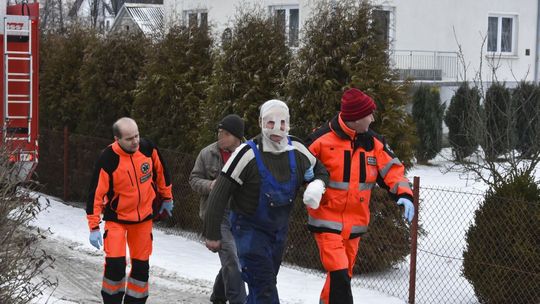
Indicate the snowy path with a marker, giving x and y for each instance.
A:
(79, 275)
(182, 270)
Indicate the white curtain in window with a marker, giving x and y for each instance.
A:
(493, 27)
(506, 35)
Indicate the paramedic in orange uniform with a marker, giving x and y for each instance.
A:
(356, 158)
(122, 190)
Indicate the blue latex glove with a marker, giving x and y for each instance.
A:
(167, 206)
(309, 175)
(95, 238)
(408, 214)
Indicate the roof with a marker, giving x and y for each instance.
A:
(149, 17)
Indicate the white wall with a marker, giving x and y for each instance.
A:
(221, 13)
(442, 25)
(426, 25)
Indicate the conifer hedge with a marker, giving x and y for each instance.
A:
(428, 114)
(169, 98)
(499, 115)
(250, 69)
(462, 119)
(341, 49)
(526, 99)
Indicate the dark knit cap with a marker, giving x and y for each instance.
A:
(233, 124)
(355, 105)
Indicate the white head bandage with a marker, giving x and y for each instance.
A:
(275, 112)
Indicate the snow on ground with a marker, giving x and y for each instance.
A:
(179, 257)
(448, 201)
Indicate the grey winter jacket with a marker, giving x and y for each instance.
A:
(207, 168)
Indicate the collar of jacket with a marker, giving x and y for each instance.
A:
(215, 148)
(364, 140)
(118, 150)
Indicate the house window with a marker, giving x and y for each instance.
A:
(196, 18)
(289, 17)
(501, 34)
(383, 18)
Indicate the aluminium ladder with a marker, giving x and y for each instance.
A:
(18, 72)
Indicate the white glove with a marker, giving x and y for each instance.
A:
(313, 193)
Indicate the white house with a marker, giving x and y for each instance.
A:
(425, 36)
(98, 12)
(139, 17)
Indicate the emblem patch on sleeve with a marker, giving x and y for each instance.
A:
(371, 160)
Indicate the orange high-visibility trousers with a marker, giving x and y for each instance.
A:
(138, 238)
(338, 256)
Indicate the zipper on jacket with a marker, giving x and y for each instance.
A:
(138, 189)
(130, 179)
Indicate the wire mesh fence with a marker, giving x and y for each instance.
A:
(383, 262)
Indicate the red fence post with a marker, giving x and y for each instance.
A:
(66, 158)
(414, 239)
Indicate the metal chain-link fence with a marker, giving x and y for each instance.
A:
(445, 216)
(477, 249)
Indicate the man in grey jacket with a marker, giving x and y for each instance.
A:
(228, 285)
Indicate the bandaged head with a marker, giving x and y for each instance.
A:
(274, 120)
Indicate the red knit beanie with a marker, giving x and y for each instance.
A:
(356, 105)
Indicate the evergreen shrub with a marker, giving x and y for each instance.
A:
(526, 99)
(499, 119)
(502, 256)
(462, 120)
(427, 114)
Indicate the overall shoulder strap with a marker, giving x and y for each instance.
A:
(258, 158)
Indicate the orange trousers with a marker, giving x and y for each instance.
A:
(338, 256)
(138, 238)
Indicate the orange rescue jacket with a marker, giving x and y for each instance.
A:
(124, 185)
(356, 162)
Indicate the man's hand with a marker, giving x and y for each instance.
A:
(408, 214)
(167, 206)
(212, 185)
(95, 238)
(213, 246)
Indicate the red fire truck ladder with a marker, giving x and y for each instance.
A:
(17, 80)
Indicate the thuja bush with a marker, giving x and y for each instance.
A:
(427, 114)
(461, 118)
(501, 259)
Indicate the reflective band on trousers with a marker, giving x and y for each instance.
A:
(345, 185)
(113, 287)
(135, 294)
(338, 226)
(141, 284)
(384, 171)
(400, 184)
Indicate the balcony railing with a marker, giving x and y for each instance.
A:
(425, 65)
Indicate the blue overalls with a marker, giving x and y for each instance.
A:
(260, 238)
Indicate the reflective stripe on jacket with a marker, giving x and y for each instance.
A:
(356, 162)
(122, 187)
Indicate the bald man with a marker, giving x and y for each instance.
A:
(126, 177)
